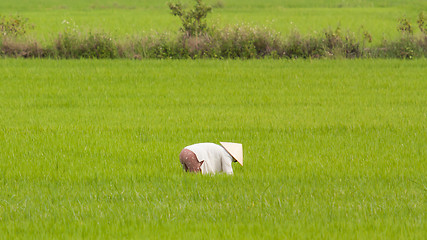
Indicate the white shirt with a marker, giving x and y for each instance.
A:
(215, 157)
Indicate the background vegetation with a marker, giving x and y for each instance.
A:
(236, 30)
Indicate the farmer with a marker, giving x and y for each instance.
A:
(211, 157)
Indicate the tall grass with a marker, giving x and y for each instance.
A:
(333, 149)
(240, 41)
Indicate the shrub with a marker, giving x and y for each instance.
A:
(92, 45)
(28, 49)
(242, 41)
(202, 46)
(337, 43)
(409, 45)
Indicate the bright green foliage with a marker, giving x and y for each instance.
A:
(333, 149)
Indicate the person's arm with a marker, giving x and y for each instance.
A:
(226, 165)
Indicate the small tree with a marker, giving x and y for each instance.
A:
(13, 26)
(421, 23)
(193, 20)
(405, 26)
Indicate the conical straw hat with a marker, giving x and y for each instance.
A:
(235, 150)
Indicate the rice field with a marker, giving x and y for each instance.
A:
(333, 149)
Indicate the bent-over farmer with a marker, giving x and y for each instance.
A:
(211, 157)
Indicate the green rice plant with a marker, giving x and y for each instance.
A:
(333, 149)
